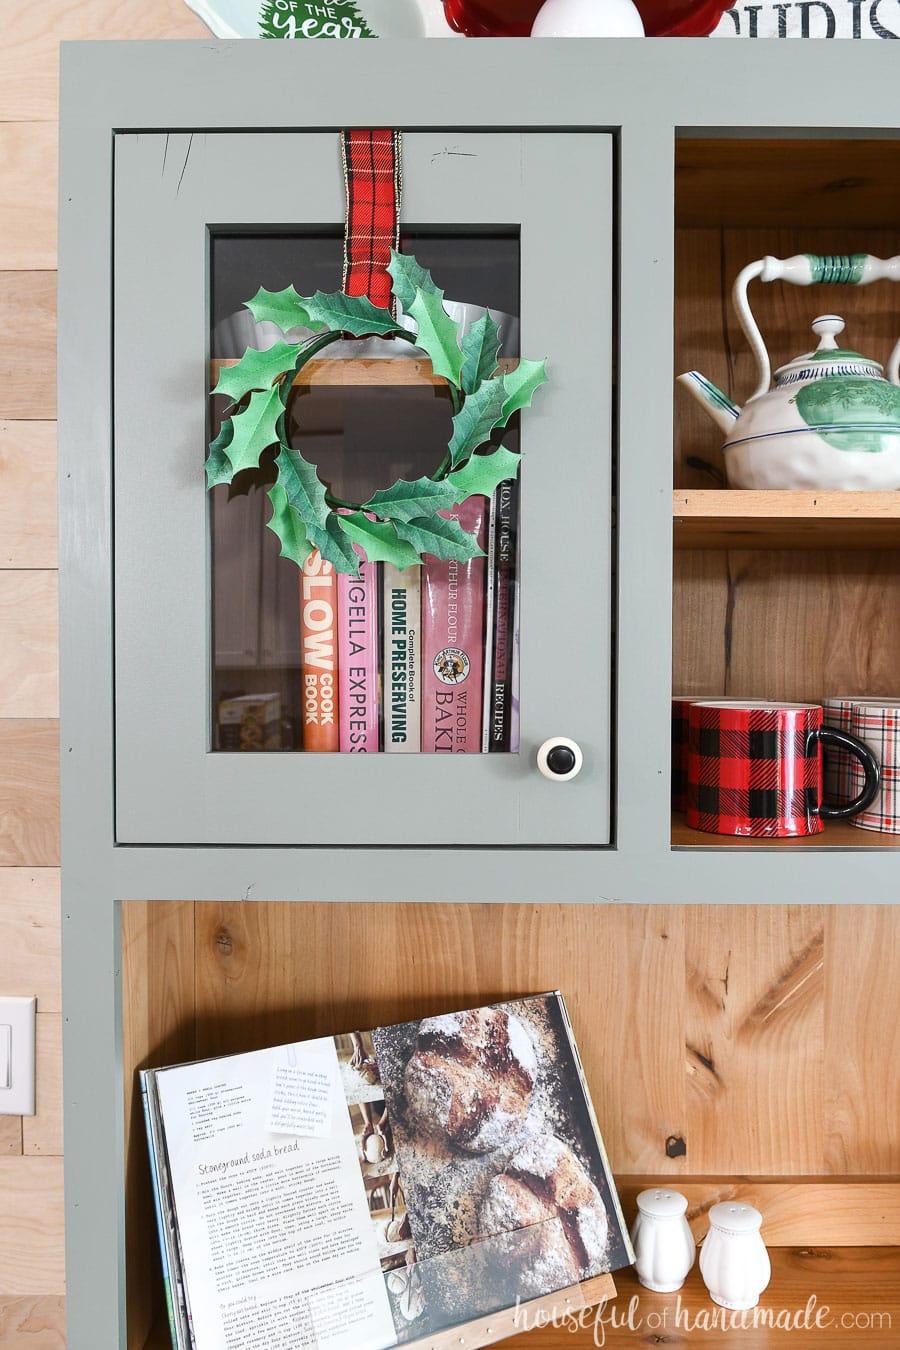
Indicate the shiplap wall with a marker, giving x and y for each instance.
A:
(31, 1207)
(829, 1022)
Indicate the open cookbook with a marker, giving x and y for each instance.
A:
(368, 1190)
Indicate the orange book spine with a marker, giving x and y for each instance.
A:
(319, 654)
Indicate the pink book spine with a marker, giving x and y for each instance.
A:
(358, 701)
(453, 643)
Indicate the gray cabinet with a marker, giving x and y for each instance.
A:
(551, 191)
(571, 148)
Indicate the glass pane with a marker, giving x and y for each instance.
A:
(422, 659)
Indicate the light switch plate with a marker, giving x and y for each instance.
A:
(18, 1014)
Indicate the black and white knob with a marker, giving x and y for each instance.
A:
(559, 759)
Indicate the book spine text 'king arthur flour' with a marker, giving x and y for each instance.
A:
(453, 643)
(319, 654)
(402, 678)
(358, 660)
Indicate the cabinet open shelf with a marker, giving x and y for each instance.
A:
(716, 519)
(837, 834)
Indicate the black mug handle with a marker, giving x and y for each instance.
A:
(843, 740)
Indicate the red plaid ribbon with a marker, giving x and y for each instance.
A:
(373, 183)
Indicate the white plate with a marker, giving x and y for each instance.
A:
(387, 18)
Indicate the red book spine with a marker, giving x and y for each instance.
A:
(453, 643)
(358, 660)
(319, 654)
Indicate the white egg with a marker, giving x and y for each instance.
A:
(588, 18)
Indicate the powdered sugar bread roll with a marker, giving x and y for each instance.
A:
(471, 1078)
(545, 1180)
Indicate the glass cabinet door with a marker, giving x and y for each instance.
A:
(220, 641)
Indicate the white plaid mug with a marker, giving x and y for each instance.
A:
(878, 724)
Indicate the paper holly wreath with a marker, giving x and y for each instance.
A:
(400, 523)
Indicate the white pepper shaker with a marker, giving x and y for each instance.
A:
(734, 1262)
(663, 1242)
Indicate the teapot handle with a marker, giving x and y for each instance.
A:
(809, 269)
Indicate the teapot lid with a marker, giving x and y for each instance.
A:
(828, 358)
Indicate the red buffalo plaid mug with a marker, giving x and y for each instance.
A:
(756, 770)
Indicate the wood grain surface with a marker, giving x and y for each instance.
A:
(33, 1323)
(839, 1213)
(29, 644)
(849, 184)
(31, 1226)
(28, 345)
(732, 519)
(28, 188)
(735, 1032)
(862, 1041)
(29, 793)
(30, 935)
(828, 1297)
(28, 519)
(42, 1133)
(29, 58)
(795, 625)
(754, 1038)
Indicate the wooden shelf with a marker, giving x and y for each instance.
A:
(723, 518)
(360, 372)
(856, 1292)
(859, 1284)
(837, 834)
(748, 182)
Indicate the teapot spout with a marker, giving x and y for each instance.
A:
(720, 408)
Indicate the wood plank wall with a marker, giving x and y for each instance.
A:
(779, 1020)
(32, 1312)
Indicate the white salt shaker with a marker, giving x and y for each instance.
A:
(663, 1242)
(734, 1262)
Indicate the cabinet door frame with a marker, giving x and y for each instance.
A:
(172, 190)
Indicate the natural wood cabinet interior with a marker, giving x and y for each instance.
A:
(780, 595)
(735, 1031)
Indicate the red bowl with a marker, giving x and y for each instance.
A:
(513, 18)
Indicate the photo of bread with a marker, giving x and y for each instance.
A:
(504, 1176)
(471, 1077)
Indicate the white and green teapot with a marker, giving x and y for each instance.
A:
(832, 419)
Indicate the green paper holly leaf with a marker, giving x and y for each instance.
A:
(438, 334)
(335, 546)
(483, 474)
(379, 540)
(520, 386)
(409, 277)
(350, 314)
(406, 500)
(289, 526)
(255, 428)
(480, 348)
(476, 419)
(445, 539)
(302, 487)
(286, 309)
(256, 370)
(218, 466)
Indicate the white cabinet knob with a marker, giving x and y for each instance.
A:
(559, 759)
